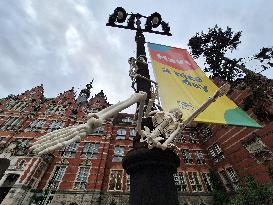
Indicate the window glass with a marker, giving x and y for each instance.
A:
(118, 154)
(115, 180)
(81, 179)
(187, 156)
(90, 150)
(195, 182)
(56, 177)
(121, 133)
(180, 182)
(70, 150)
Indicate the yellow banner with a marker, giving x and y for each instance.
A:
(184, 85)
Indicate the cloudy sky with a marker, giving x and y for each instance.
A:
(65, 43)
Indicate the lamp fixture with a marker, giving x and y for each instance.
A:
(119, 16)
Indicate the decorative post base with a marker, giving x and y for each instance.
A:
(151, 176)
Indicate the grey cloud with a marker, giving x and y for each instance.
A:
(66, 43)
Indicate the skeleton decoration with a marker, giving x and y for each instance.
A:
(167, 124)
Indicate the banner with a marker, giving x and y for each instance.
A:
(184, 85)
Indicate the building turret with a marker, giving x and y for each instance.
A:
(84, 94)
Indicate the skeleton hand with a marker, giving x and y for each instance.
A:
(61, 138)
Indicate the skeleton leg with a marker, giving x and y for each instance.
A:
(179, 128)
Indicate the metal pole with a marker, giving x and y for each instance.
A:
(151, 171)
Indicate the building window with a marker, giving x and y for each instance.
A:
(22, 146)
(193, 137)
(3, 139)
(181, 138)
(10, 104)
(200, 157)
(128, 120)
(118, 154)
(11, 123)
(98, 131)
(233, 178)
(55, 125)
(206, 178)
(133, 133)
(70, 150)
(258, 150)
(216, 153)
(56, 177)
(55, 109)
(187, 156)
(16, 105)
(230, 179)
(36, 125)
(21, 164)
(195, 182)
(127, 182)
(205, 133)
(121, 133)
(81, 179)
(180, 182)
(90, 150)
(115, 180)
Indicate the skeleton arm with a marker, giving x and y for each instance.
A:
(166, 123)
(63, 137)
(220, 92)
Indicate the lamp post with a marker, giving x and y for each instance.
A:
(151, 170)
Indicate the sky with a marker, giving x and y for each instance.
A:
(65, 43)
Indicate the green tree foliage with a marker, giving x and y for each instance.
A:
(252, 194)
(219, 193)
(214, 46)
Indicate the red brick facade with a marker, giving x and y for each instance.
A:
(91, 170)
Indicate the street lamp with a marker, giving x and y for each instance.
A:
(118, 17)
(151, 170)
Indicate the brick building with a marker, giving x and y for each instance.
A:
(90, 171)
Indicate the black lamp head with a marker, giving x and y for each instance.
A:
(120, 14)
(155, 19)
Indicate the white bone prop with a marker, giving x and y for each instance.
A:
(168, 125)
(63, 137)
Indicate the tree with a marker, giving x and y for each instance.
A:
(214, 47)
(219, 193)
(252, 193)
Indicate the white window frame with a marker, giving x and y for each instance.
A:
(49, 186)
(187, 157)
(207, 180)
(121, 183)
(81, 182)
(117, 157)
(121, 134)
(133, 133)
(70, 150)
(193, 181)
(178, 180)
(200, 159)
(216, 152)
(90, 151)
